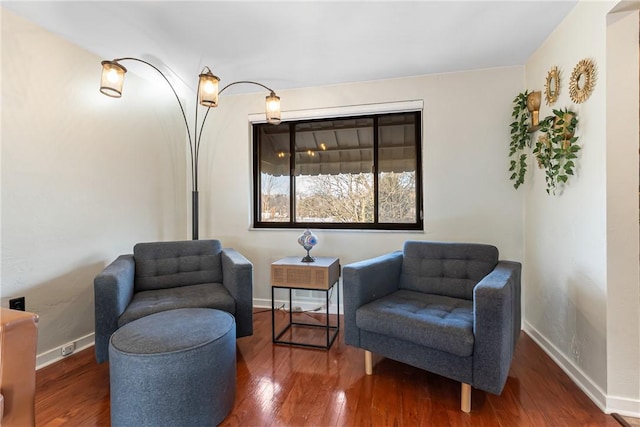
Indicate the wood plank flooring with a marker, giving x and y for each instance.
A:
(291, 386)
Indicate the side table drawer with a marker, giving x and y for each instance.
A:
(308, 276)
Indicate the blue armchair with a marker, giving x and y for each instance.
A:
(163, 276)
(449, 308)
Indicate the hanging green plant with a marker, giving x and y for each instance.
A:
(556, 147)
(520, 139)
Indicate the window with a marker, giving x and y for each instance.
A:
(347, 173)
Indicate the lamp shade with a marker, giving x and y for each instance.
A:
(112, 79)
(208, 89)
(272, 109)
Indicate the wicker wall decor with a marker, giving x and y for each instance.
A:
(552, 86)
(583, 80)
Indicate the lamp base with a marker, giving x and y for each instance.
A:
(194, 215)
(308, 258)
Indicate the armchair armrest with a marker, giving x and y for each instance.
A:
(237, 277)
(113, 289)
(496, 308)
(365, 281)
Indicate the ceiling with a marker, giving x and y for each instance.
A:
(292, 44)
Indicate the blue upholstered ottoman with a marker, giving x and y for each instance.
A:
(173, 368)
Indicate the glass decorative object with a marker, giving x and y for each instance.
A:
(308, 240)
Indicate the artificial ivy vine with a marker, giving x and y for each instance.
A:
(520, 139)
(556, 147)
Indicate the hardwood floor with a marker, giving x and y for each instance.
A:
(292, 386)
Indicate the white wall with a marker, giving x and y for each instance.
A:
(467, 194)
(568, 241)
(84, 177)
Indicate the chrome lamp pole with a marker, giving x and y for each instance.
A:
(111, 84)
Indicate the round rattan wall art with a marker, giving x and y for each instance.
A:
(583, 80)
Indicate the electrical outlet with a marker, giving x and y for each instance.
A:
(66, 350)
(17, 304)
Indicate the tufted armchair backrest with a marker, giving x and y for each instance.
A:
(162, 265)
(449, 269)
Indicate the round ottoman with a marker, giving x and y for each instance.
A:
(173, 368)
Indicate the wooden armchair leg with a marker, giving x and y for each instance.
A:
(465, 400)
(368, 363)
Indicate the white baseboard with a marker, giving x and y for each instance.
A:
(54, 355)
(623, 406)
(261, 303)
(607, 404)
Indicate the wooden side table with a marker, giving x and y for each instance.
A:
(321, 275)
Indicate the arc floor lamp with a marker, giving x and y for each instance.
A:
(207, 96)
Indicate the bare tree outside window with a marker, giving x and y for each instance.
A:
(274, 198)
(342, 198)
